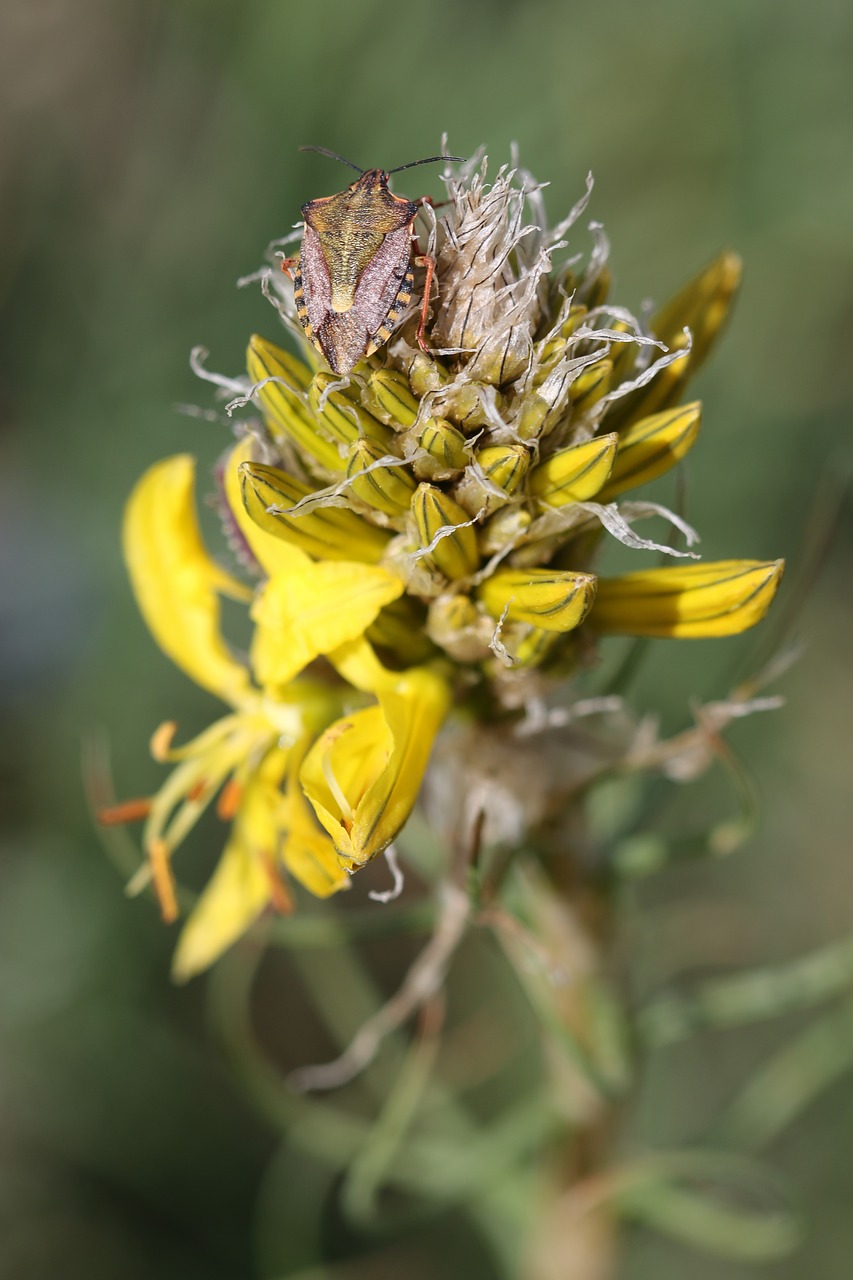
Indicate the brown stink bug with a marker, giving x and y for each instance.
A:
(353, 274)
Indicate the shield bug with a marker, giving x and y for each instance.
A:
(353, 276)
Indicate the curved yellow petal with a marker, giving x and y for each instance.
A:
(175, 581)
(272, 554)
(363, 774)
(312, 610)
(308, 853)
(721, 598)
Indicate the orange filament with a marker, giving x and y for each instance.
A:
(161, 740)
(163, 879)
(128, 811)
(280, 896)
(229, 800)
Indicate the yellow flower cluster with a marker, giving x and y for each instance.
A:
(423, 534)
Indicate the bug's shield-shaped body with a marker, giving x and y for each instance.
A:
(353, 277)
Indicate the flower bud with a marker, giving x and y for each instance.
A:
(341, 414)
(443, 527)
(574, 474)
(552, 599)
(444, 447)
(284, 401)
(651, 446)
(721, 598)
(386, 488)
(393, 395)
(327, 533)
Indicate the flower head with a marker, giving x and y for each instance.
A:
(421, 533)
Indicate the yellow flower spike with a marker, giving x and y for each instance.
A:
(271, 551)
(575, 474)
(394, 398)
(551, 599)
(341, 414)
(242, 884)
(175, 581)
(386, 488)
(442, 526)
(721, 598)
(652, 446)
(362, 775)
(702, 305)
(326, 533)
(283, 401)
(313, 610)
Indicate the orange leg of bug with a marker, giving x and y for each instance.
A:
(286, 264)
(423, 260)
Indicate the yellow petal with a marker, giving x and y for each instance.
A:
(697, 600)
(272, 553)
(176, 582)
(240, 887)
(313, 610)
(309, 854)
(363, 774)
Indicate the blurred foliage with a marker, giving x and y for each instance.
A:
(147, 156)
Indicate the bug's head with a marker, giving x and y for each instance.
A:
(377, 179)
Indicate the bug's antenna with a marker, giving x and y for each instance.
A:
(333, 155)
(429, 160)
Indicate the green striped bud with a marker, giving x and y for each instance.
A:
(574, 474)
(453, 554)
(327, 533)
(652, 446)
(702, 306)
(444, 451)
(591, 385)
(386, 488)
(552, 599)
(503, 469)
(284, 401)
(340, 414)
(393, 395)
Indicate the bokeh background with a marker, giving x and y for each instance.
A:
(147, 156)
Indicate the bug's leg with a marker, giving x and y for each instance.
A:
(433, 204)
(286, 264)
(423, 260)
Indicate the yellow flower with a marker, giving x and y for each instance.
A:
(421, 532)
(251, 757)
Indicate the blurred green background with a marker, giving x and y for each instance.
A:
(147, 156)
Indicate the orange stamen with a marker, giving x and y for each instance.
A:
(163, 879)
(197, 790)
(128, 811)
(280, 896)
(229, 800)
(161, 740)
